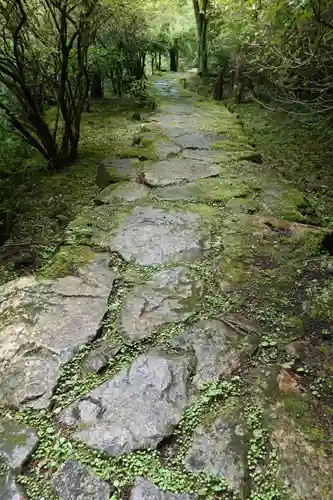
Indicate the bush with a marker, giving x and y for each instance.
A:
(143, 94)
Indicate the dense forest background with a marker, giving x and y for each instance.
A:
(73, 71)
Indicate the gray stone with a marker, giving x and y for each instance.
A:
(9, 489)
(42, 323)
(215, 189)
(144, 490)
(167, 149)
(17, 442)
(197, 140)
(136, 409)
(111, 170)
(220, 449)
(126, 191)
(219, 349)
(74, 481)
(155, 236)
(208, 156)
(173, 171)
(171, 295)
(99, 356)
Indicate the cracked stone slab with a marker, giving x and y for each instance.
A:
(219, 347)
(144, 490)
(220, 448)
(74, 481)
(42, 323)
(175, 170)
(17, 442)
(197, 140)
(170, 296)
(166, 149)
(125, 191)
(154, 388)
(155, 236)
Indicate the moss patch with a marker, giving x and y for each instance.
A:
(204, 190)
(67, 260)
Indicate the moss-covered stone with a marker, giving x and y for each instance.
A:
(68, 259)
(204, 190)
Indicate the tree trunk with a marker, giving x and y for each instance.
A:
(159, 61)
(201, 21)
(96, 87)
(173, 59)
(218, 90)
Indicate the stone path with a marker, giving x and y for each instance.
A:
(165, 353)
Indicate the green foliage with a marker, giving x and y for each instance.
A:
(142, 92)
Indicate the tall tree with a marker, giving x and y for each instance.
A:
(43, 58)
(201, 20)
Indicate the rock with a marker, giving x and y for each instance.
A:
(208, 156)
(219, 349)
(144, 490)
(204, 190)
(220, 449)
(304, 469)
(288, 382)
(155, 236)
(175, 170)
(197, 140)
(25, 259)
(9, 489)
(126, 191)
(121, 169)
(17, 442)
(99, 356)
(171, 295)
(167, 149)
(136, 409)
(42, 323)
(74, 481)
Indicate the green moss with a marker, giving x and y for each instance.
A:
(66, 261)
(205, 190)
(299, 408)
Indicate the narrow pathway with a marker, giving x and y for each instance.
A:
(178, 347)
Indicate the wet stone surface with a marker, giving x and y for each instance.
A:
(154, 387)
(155, 236)
(17, 442)
(9, 489)
(170, 296)
(74, 481)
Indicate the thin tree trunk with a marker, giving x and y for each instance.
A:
(173, 59)
(201, 20)
(96, 86)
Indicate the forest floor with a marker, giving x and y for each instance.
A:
(179, 336)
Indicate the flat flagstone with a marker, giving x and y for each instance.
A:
(175, 170)
(169, 296)
(42, 323)
(155, 236)
(136, 409)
